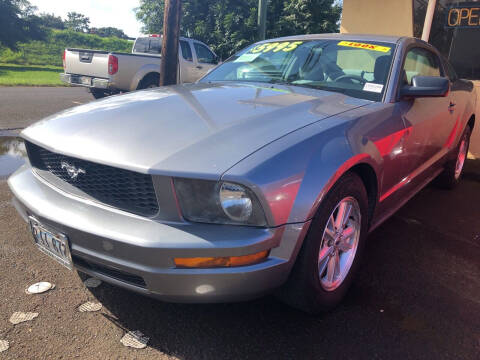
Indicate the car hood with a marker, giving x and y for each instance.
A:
(187, 130)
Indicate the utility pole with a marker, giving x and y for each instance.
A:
(427, 26)
(171, 35)
(262, 19)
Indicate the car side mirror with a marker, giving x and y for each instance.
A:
(426, 86)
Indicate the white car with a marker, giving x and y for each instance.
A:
(106, 73)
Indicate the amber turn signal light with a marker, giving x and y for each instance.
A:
(226, 261)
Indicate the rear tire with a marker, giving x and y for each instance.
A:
(315, 285)
(149, 82)
(451, 176)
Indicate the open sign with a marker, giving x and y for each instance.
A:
(466, 16)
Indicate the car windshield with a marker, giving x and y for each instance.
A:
(358, 69)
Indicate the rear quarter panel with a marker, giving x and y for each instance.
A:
(132, 68)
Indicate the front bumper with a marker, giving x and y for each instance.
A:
(85, 81)
(137, 253)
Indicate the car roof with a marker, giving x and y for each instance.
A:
(338, 36)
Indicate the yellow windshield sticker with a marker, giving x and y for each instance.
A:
(285, 46)
(364, 46)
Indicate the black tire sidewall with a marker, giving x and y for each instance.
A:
(149, 80)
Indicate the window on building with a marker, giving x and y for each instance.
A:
(455, 30)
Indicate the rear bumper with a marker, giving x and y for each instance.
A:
(137, 253)
(85, 81)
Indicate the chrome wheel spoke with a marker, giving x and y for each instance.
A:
(331, 268)
(349, 231)
(343, 215)
(325, 255)
(329, 235)
(344, 246)
(336, 258)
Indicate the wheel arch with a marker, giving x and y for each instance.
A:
(363, 166)
(370, 180)
(144, 71)
(149, 75)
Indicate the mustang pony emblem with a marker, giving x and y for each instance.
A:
(72, 171)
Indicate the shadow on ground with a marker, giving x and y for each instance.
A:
(417, 296)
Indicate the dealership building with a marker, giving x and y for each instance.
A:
(451, 26)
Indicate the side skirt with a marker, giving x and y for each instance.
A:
(414, 192)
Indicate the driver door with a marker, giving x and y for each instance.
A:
(205, 60)
(428, 120)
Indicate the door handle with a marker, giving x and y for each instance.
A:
(199, 67)
(451, 107)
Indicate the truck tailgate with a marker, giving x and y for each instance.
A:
(86, 62)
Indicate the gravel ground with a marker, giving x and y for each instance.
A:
(417, 297)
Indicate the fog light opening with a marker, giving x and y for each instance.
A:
(226, 261)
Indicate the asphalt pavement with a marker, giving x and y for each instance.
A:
(417, 295)
(21, 106)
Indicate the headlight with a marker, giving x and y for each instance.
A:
(235, 202)
(218, 202)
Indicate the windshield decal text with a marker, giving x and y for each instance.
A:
(364, 46)
(285, 46)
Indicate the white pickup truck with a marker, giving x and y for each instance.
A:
(106, 73)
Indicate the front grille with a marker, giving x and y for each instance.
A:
(124, 189)
(110, 272)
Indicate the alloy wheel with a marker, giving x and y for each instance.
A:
(339, 243)
(462, 155)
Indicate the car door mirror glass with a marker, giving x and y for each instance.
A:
(426, 86)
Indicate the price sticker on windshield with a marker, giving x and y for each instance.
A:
(285, 46)
(364, 46)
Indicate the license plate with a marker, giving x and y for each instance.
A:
(86, 80)
(52, 243)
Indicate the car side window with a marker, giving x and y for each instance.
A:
(204, 55)
(420, 62)
(186, 50)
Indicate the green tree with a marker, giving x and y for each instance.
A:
(51, 21)
(307, 17)
(108, 32)
(229, 25)
(18, 23)
(77, 22)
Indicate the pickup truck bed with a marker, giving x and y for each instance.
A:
(113, 72)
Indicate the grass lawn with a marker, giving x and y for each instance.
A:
(29, 75)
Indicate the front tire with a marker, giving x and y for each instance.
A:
(331, 252)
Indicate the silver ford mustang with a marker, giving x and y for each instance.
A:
(265, 176)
